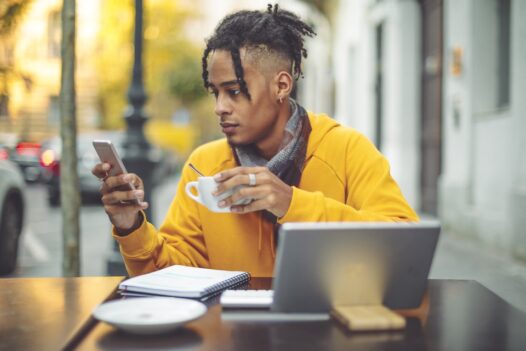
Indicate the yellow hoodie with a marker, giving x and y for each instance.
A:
(345, 179)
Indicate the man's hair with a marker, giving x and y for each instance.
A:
(275, 31)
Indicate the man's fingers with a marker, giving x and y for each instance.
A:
(229, 173)
(245, 193)
(121, 180)
(256, 205)
(236, 180)
(117, 197)
(261, 176)
(100, 170)
(118, 207)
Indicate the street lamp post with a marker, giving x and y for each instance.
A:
(138, 154)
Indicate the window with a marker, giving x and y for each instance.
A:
(4, 112)
(54, 110)
(503, 15)
(491, 52)
(379, 86)
(53, 33)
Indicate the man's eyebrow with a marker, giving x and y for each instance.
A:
(229, 82)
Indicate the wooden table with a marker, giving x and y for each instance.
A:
(43, 313)
(462, 315)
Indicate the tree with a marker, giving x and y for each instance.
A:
(11, 12)
(69, 180)
(186, 83)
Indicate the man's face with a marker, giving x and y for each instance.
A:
(244, 121)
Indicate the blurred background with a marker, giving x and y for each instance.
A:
(438, 85)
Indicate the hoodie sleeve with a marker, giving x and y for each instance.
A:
(178, 241)
(371, 194)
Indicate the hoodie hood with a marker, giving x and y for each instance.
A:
(321, 125)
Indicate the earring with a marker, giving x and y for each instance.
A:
(281, 100)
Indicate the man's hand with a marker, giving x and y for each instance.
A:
(265, 188)
(118, 199)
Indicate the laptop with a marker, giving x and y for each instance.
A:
(320, 265)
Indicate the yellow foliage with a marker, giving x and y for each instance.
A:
(167, 135)
(166, 49)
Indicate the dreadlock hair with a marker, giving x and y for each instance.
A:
(276, 30)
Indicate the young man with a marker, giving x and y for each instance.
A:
(299, 166)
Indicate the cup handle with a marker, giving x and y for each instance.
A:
(188, 190)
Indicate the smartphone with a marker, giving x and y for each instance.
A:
(108, 154)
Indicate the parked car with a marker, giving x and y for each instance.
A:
(24, 154)
(11, 214)
(87, 158)
(27, 156)
(4, 152)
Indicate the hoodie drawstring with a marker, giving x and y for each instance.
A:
(272, 241)
(271, 237)
(260, 233)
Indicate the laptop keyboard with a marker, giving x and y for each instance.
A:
(246, 298)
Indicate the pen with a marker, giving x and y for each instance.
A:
(195, 169)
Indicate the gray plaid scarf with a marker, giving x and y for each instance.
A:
(287, 164)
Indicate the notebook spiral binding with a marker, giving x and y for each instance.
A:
(229, 283)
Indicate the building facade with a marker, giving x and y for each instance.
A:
(33, 103)
(439, 86)
(377, 76)
(483, 182)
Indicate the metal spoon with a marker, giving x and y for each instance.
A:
(195, 169)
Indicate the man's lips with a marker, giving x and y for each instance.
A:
(228, 128)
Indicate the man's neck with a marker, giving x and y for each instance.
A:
(271, 147)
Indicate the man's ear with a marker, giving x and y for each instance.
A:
(283, 85)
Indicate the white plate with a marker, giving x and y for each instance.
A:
(149, 315)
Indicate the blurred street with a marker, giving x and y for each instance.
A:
(41, 250)
(41, 243)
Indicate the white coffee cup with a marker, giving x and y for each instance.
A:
(205, 186)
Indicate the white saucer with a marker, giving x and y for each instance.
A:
(149, 315)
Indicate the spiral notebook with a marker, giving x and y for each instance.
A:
(183, 281)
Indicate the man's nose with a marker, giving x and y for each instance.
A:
(222, 106)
